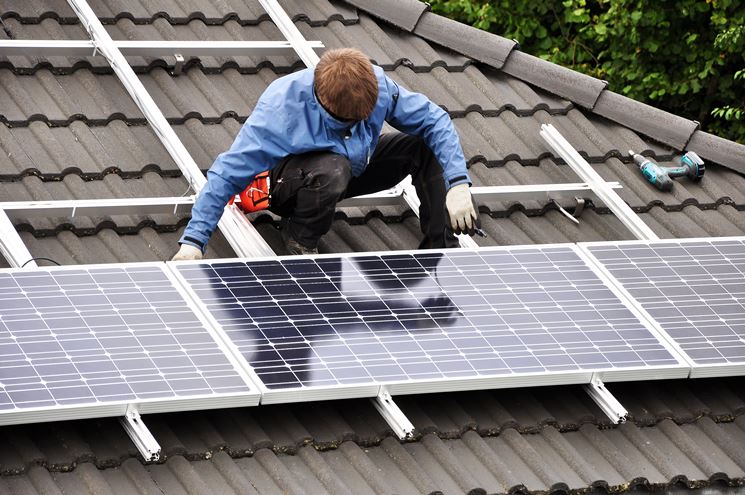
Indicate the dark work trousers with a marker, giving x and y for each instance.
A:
(305, 188)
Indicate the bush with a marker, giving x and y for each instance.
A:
(684, 56)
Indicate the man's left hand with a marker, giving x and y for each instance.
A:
(463, 216)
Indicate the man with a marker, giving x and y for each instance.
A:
(318, 132)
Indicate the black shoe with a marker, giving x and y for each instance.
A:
(292, 246)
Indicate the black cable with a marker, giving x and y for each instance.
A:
(40, 258)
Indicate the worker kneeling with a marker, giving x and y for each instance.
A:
(317, 132)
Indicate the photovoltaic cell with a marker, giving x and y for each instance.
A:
(88, 336)
(695, 290)
(427, 316)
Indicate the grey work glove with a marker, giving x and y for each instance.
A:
(463, 216)
(187, 252)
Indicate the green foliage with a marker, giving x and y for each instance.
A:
(681, 56)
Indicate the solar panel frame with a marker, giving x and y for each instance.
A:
(698, 370)
(60, 412)
(341, 391)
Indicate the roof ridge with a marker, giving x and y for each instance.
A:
(589, 92)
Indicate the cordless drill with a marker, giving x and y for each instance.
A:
(691, 166)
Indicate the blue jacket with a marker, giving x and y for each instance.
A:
(289, 120)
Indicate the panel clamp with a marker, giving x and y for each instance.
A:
(140, 435)
(605, 400)
(393, 415)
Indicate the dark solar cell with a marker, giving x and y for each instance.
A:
(332, 321)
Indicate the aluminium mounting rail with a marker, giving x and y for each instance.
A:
(148, 48)
(182, 204)
(597, 391)
(242, 236)
(611, 199)
(12, 246)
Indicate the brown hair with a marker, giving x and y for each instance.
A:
(346, 84)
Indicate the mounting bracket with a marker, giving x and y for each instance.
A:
(564, 212)
(393, 415)
(140, 435)
(605, 400)
(178, 66)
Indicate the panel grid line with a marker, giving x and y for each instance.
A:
(694, 289)
(375, 319)
(91, 336)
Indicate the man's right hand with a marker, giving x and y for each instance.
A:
(187, 252)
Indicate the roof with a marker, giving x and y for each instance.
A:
(71, 131)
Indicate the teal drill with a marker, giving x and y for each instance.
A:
(691, 166)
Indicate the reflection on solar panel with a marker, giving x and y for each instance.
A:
(102, 335)
(425, 321)
(694, 289)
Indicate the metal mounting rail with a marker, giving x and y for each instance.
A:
(11, 244)
(292, 34)
(148, 48)
(605, 400)
(242, 236)
(182, 204)
(612, 200)
(140, 435)
(393, 415)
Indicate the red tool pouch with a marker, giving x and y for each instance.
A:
(256, 195)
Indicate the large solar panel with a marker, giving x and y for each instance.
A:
(694, 289)
(331, 327)
(89, 341)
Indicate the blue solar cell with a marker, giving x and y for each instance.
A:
(332, 321)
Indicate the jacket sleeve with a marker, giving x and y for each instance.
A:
(255, 149)
(414, 113)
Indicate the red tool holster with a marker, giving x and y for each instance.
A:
(256, 196)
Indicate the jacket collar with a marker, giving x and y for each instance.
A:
(330, 121)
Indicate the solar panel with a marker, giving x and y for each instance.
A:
(88, 341)
(340, 326)
(694, 289)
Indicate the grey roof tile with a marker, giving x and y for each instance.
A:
(490, 439)
(386, 46)
(579, 88)
(106, 245)
(109, 11)
(401, 13)
(36, 11)
(83, 149)
(660, 125)
(620, 459)
(479, 45)
(719, 150)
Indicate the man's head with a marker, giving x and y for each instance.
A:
(346, 84)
